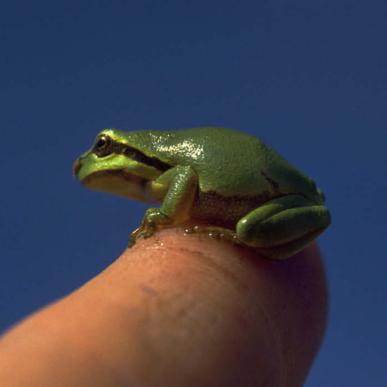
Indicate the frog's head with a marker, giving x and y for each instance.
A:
(118, 163)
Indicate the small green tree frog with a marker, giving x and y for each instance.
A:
(222, 182)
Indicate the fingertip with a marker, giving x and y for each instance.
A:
(292, 294)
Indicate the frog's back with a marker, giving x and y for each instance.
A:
(228, 162)
(232, 163)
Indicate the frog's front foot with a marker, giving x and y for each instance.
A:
(153, 220)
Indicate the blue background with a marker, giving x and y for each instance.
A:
(308, 77)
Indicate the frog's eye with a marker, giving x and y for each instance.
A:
(102, 145)
(102, 142)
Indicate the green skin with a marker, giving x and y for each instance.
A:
(224, 182)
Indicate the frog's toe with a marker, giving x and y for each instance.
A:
(144, 231)
(213, 232)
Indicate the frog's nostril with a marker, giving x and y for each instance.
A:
(76, 167)
(321, 195)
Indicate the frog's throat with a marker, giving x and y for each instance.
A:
(120, 182)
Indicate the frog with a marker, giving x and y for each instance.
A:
(217, 181)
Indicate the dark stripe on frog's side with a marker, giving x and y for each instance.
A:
(133, 154)
(218, 210)
(272, 182)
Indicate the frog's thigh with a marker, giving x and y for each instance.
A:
(283, 221)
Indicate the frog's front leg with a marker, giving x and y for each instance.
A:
(283, 226)
(180, 184)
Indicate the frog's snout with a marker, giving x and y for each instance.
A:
(76, 167)
(321, 195)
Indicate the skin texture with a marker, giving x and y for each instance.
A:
(194, 174)
(177, 310)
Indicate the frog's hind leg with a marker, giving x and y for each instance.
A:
(283, 226)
